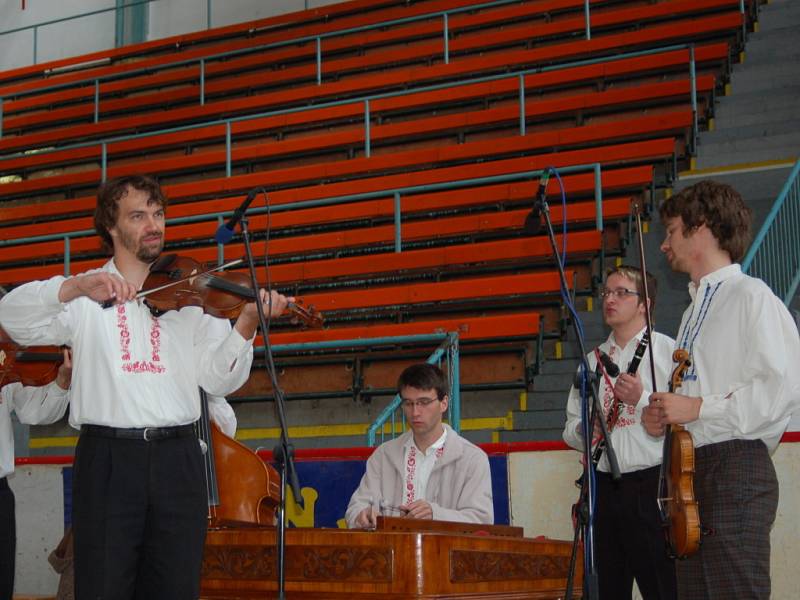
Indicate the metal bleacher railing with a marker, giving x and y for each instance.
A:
(366, 100)
(774, 255)
(318, 41)
(396, 193)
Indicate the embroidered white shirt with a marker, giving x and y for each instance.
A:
(745, 353)
(131, 369)
(635, 449)
(419, 465)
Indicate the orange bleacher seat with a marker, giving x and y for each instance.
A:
(647, 127)
(647, 36)
(536, 83)
(641, 97)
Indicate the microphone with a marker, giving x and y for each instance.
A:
(225, 231)
(533, 222)
(611, 368)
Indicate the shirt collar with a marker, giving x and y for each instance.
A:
(612, 340)
(433, 447)
(718, 276)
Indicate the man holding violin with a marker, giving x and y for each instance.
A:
(736, 397)
(33, 405)
(140, 505)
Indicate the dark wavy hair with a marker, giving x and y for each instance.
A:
(108, 196)
(423, 376)
(717, 206)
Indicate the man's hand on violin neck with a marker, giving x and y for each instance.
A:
(99, 287)
(274, 304)
(675, 408)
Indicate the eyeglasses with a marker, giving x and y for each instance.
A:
(421, 402)
(617, 292)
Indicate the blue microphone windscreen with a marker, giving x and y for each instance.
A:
(223, 235)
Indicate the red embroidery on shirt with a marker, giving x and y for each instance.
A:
(411, 470)
(139, 366)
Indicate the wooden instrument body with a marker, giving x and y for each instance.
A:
(249, 489)
(434, 560)
(679, 509)
(683, 510)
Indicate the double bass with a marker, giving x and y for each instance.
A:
(245, 490)
(679, 510)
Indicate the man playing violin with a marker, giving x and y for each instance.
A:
(140, 505)
(736, 397)
(629, 542)
(33, 405)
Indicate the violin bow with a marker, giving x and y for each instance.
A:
(647, 316)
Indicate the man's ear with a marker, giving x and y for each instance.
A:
(445, 403)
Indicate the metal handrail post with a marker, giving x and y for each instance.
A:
(522, 129)
(96, 100)
(103, 162)
(588, 16)
(398, 229)
(228, 166)
(446, 39)
(66, 256)
(319, 60)
(220, 245)
(367, 133)
(202, 82)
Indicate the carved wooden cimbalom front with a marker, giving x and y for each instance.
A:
(468, 566)
(318, 563)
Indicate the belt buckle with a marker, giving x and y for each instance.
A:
(145, 433)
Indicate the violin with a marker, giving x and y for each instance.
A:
(34, 365)
(176, 281)
(680, 513)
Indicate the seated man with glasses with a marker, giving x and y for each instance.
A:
(429, 472)
(629, 540)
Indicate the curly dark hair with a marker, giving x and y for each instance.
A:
(423, 376)
(717, 206)
(109, 195)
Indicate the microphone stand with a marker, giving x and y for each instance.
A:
(588, 493)
(283, 452)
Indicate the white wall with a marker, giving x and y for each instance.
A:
(90, 34)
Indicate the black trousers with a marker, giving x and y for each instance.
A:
(8, 540)
(629, 538)
(139, 518)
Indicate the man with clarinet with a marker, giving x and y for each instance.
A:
(629, 542)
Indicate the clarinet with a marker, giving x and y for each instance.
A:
(611, 419)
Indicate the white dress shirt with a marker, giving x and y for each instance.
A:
(131, 369)
(32, 405)
(419, 465)
(745, 353)
(635, 449)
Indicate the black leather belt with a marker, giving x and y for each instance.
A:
(146, 434)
